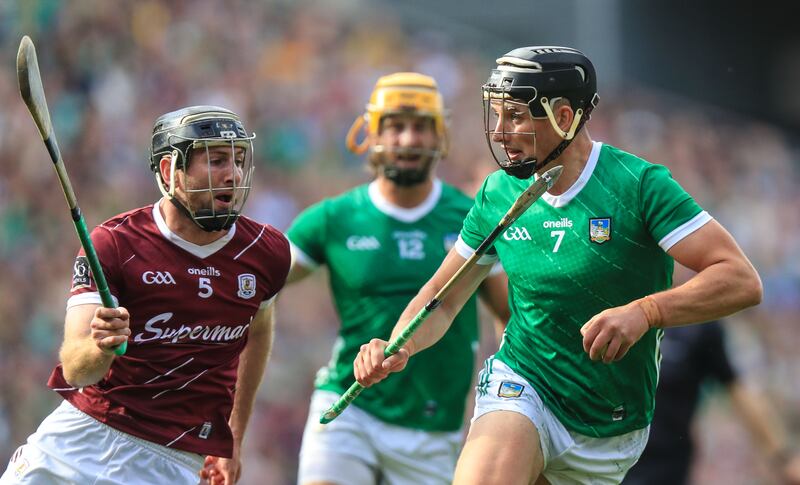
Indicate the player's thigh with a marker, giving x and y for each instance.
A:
(502, 448)
(339, 452)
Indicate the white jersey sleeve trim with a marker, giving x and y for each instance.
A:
(684, 230)
(466, 252)
(267, 302)
(88, 298)
(301, 258)
(497, 269)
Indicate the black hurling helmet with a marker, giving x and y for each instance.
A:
(179, 134)
(538, 77)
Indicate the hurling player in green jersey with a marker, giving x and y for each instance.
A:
(381, 242)
(569, 396)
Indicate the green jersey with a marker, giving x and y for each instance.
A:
(379, 256)
(601, 244)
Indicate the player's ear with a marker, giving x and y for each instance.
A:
(564, 115)
(165, 170)
(165, 167)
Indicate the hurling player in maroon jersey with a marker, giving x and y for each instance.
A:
(194, 282)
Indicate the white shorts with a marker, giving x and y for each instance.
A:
(71, 447)
(569, 457)
(358, 449)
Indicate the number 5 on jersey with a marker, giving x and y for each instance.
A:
(205, 288)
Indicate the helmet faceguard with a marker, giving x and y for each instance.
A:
(534, 79)
(401, 93)
(185, 136)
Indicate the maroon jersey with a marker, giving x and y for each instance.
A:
(190, 309)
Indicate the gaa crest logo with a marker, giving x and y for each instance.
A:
(600, 230)
(517, 233)
(247, 286)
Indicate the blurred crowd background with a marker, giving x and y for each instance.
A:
(299, 73)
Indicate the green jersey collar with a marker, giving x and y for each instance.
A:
(403, 214)
(586, 174)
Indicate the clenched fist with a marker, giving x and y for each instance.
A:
(371, 366)
(611, 333)
(110, 328)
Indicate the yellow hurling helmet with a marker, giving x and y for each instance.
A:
(401, 92)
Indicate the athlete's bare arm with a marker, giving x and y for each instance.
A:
(494, 294)
(297, 272)
(369, 367)
(252, 362)
(725, 283)
(90, 334)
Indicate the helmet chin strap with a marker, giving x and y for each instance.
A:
(529, 166)
(205, 219)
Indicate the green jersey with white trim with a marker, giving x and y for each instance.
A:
(599, 245)
(379, 256)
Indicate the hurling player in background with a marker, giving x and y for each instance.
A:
(569, 395)
(195, 283)
(692, 356)
(381, 241)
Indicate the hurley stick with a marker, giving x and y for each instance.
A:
(32, 91)
(525, 200)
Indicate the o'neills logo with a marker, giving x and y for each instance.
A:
(564, 222)
(205, 333)
(209, 271)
